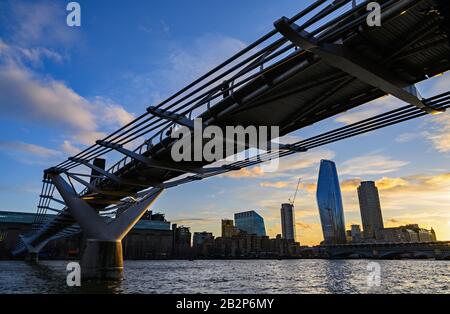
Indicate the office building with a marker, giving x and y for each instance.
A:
(181, 241)
(201, 237)
(329, 201)
(203, 244)
(150, 238)
(288, 221)
(369, 204)
(408, 233)
(354, 234)
(250, 222)
(228, 228)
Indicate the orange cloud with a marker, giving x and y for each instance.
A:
(440, 134)
(350, 185)
(304, 225)
(386, 183)
(277, 185)
(254, 172)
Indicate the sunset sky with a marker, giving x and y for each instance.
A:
(62, 88)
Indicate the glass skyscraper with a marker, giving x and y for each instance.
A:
(250, 222)
(329, 201)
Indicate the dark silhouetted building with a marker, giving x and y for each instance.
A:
(354, 234)
(150, 238)
(181, 241)
(247, 245)
(228, 228)
(329, 201)
(288, 221)
(202, 243)
(408, 233)
(369, 204)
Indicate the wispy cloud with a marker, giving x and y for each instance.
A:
(30, 97)
(39, 22)
(192, 220)
(370, 109)
(203, 54)
(28, 148)
(29, 154)
(277, 184)
(111, 113)
(253, 172)
(287, 166)
(13, 54)
(436, 129)
(27, 96)
(408, 137)
(185, 62)
(69, 148)
(439, 132)
(371, 164)
(37, 34)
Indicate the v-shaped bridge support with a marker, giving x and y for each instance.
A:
(102, 258)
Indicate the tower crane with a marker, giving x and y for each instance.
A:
(292, 201)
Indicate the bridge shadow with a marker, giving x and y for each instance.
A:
(406, 254)
(51, 277)
(351, 255)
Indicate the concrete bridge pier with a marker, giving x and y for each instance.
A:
(102, 258)
(32, 257)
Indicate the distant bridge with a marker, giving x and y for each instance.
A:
(319, 63)
(437, 250)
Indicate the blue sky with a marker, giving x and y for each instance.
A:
(61, 88)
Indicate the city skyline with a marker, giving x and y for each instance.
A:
(372, 222)
(44, 69)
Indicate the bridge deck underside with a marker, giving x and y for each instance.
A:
(315, 90)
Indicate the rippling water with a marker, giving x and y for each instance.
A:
(237, 276)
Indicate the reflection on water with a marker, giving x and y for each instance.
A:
(238, 276)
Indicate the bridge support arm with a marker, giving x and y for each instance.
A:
(171, 116)
(363, 69)
(102, 258)
(32, 250)
(123, 224)
(107, 174)
(172, 166)
(92, 224)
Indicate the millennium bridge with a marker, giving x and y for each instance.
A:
(318, 63)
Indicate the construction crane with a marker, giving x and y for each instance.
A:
(292, 201)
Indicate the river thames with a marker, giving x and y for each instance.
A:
(238, 276)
